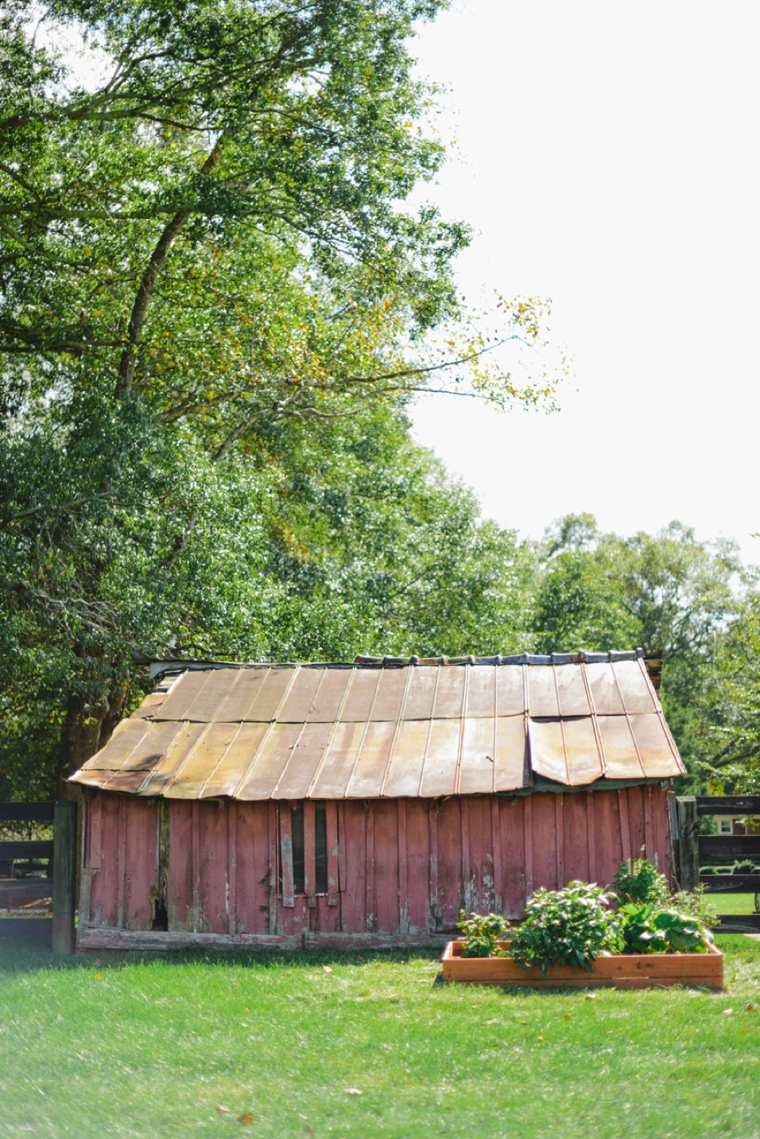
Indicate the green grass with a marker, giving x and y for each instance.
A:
(733, 903)
(156, 1048)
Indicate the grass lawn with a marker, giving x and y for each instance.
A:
(733, 903)
(367, 1046)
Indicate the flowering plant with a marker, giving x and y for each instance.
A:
(572, 927)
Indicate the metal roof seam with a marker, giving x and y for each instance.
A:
(186, 760)
(367, 723)
(396, 733)
(219, 762)
(331, 737)
(561, 725)
(429, 736)
(462, 724)
(249, 769)
(594, 720)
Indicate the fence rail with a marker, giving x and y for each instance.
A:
(690, 845)
(60, 929)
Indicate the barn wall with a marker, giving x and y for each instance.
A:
(396, 866)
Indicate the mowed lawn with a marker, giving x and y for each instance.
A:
(365, 1046)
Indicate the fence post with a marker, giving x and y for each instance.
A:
(688, 842)
(64, 877)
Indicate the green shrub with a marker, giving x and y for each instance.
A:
(696, 903)
(743, 866)
(638, 881)
(573, 926)
(646, 929)
(707, 870)
(481, 934)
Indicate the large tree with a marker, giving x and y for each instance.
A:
(206, 267)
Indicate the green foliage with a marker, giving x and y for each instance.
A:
(743, 866)
(698, 904)
(638, 881)
(649, 929)
(573, 926)
(481, 934)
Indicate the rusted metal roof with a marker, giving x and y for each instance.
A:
(390, 728)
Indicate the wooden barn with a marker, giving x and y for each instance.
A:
(307, 804)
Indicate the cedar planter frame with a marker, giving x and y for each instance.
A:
(625, 971)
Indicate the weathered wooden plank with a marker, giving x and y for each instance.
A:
(64, 878)
(434, 903)
(731, 883)
(309, 850)
(591, 835)
(728, 846)
(286, 858)
(418, 865)
(26, 812)
(403, 868)
(37, 927)
(728, 804)
(153, 940)
(369, 911)
(739, 923)
(333, 850)
(387, 870)
(15, 891)
(544, 842)
(22, 849)
(212, 867)
(511, 874)
(576, 843)
(141, 851)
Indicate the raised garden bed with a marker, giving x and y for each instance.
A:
(626, 971)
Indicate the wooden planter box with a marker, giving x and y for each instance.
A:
(628, 971)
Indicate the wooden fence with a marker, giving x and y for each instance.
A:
(691, 848)
(58, 930)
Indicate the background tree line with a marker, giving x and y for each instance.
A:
(215, 307)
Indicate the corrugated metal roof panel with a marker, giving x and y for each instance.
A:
(361, 695)
(407, 759)
(403, 730)
(547, 750)
(542, 692)
(658, 755)
(269, 762)
(477, 757)
(420, 695)
(329, 697)
(571, 690)
(481, 692)
(231, 770)
(604, 690)
(372, 761)
(510, 691)
(584, 763)
(621, 755)
(160, 780)
(440, 774)
(449, 698)
(635, 687)
(511, 759)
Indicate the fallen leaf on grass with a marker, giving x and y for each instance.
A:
(352, 1091)
(728, 1011)
(96, 975)
(567, 1016)
(327, 968)
(750, 1008)
(590, 997)
(743, 1031)
(494, 1021)
(246, 1117)
(540, 1040)
(223, 1110)
(307, 1130)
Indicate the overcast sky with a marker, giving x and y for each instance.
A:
(608, 160)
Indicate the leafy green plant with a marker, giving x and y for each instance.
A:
(707, 870)
(481, 934)
(638, 881)
(645, 929)
(696, 903)
(573, 926)
(743, 866)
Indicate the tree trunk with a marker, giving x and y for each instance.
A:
(88, 726)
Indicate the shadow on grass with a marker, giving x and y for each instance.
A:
(22, 955)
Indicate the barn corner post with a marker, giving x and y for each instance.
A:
(64, 878)
(687, 842)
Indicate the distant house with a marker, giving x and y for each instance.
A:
(304, 804)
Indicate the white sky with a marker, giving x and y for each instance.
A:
(609, 160)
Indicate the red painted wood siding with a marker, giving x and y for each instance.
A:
(395, 865)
